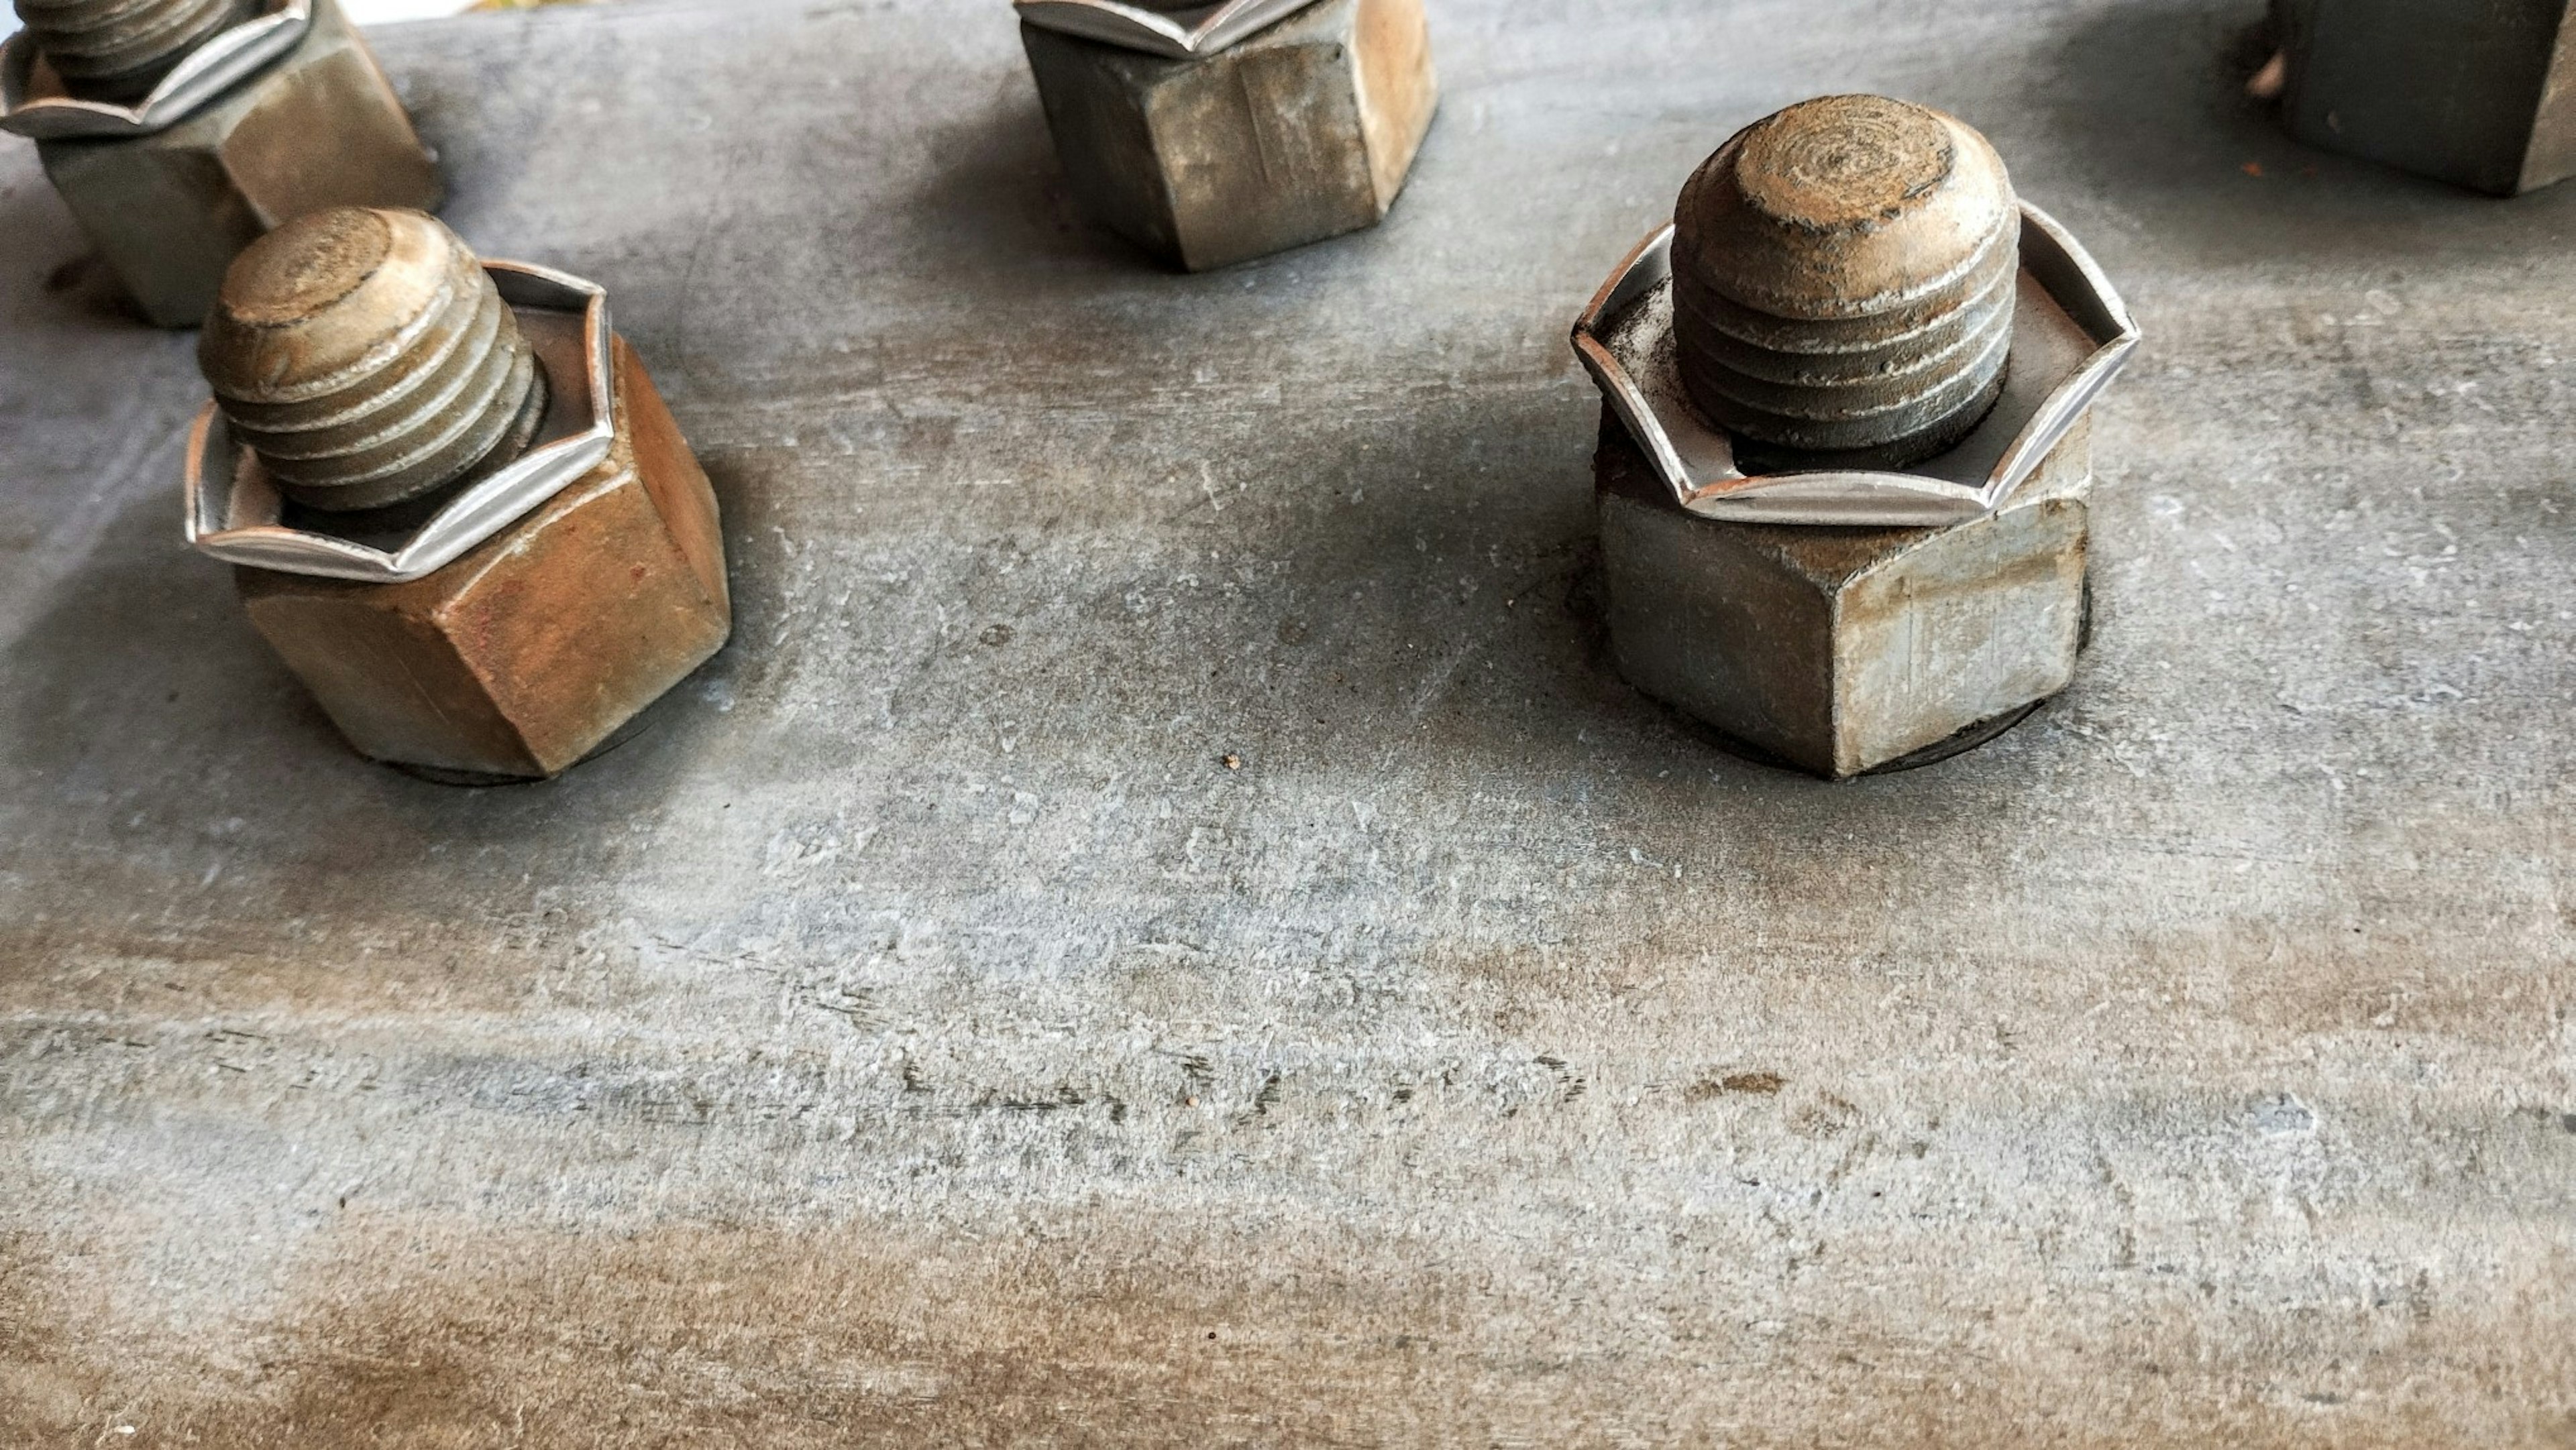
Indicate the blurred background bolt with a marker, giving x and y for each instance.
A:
(2479, 93)
(366, 357)
(117, 50)
(1844, 275)
(1303, 130)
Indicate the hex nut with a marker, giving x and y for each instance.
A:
(1304, 131)
(529, 653)
(1840, 651)
(366, 357)
(2478, 93)
(1844, 277)
(319, 128)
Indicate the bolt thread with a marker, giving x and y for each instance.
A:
(118, 50)
(366, 357)
(1845, 278)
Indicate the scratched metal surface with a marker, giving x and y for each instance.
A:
(922, 1036)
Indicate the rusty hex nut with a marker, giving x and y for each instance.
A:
(1846, 651)
(1844, 279)
(1838, 297)
(117, 50)
(366, 357)
(169, 209)
(531, 651)
(1301, 131)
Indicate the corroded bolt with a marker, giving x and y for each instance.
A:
(1844, 275)
(116, 50)
(366, 357)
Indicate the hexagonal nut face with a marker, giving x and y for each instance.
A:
(2466, 91)
(1838, 650)
(1304, 131)
(527, 654)
(319, 128)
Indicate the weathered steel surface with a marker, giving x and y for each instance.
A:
(1837, 650)
(169, 211)
(1303, 132)
(2477, 92)
(525, 655)
(921, 1036)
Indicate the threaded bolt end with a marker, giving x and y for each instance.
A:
(1845, 275)
(118, 50)
(366, 357)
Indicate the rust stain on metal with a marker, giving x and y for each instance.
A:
(1130, 1335)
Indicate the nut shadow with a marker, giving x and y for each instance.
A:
(1000, 202)
(146, 714)
(1445, 601)
(53, 276)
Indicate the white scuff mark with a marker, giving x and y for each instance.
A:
(2283, 1114)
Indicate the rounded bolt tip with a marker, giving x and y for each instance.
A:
(1844, 280)
(1844, 162)
(295, 272)
(367, 358)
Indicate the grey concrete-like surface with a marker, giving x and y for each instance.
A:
(923, 1036)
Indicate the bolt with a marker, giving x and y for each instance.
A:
(118, 50)
(1844, 276)
(366, 357)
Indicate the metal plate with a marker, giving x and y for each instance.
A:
(921, 1037)
(33, 101)
(1179, 34)
(2071, 336)
(235, 513)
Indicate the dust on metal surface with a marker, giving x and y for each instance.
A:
(920, 1035)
